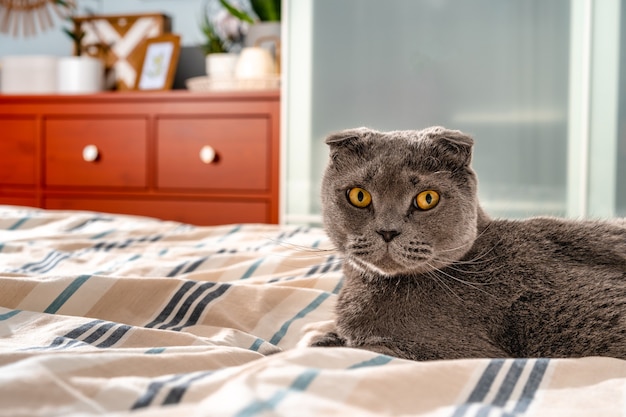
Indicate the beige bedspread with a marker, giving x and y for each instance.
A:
(119, 315)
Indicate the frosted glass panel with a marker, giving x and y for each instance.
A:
(621, 144)
(495, 69)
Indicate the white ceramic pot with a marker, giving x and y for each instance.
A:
(80, 75)
(255, 63)
(266, 35)
(28, 74)
(221, 65)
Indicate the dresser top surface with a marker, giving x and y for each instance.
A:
(142, 96)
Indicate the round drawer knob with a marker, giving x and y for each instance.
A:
(90, 153)
(207, 154)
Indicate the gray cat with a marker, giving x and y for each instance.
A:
(429, 275)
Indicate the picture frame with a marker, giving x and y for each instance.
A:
(118, 40)
(158, 64)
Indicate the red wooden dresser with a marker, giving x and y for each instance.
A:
(200, 158)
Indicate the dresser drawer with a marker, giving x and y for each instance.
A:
(18, 151)
(241, 149)
(203, 213)
(118, 148)
(18, 201)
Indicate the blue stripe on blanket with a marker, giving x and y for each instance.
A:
(504, 391)
(532, 385)
(18, 223)
(51, 260)
(510, 380)
(257, 344)
(338, 286)
(188, 301)
(66, 294)
(115, 337)
(176, 270)
(375, 361)
(9, 314)
(115, 244)
(73, 339)
(306, 310)
(180, 382)
(152, 391)
(102, 234)
(164, 314)
(230, 232)
(197, 312)
(98, 333)
(195, 264)
(301, 383)
(87, 222)
(178, 391)
(192, 267)
(82, 329)
(186, 305)
(486, 380)
(252, 268)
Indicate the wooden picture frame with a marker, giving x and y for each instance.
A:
(118, 40)
(158, 64)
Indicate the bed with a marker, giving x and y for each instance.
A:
(116, 315)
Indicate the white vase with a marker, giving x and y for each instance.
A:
(221, 65)
(255, 63)
(28, 74)
(80, 75)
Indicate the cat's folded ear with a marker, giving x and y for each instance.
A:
(348, 146)
(454, 144)
(348, 136)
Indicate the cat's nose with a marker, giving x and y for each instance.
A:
(388, 235)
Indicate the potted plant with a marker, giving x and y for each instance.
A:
(79, 73)
(220, 62)
(264, 29)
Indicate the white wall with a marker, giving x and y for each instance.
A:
(186, 17)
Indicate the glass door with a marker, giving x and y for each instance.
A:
(516, 75)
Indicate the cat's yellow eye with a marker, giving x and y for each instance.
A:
(359, 197)
(427, 200)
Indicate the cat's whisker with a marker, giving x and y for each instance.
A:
(482, 272)
(461, 246)
(474, 260)
(469, 242)
(442, 284)
(302, 248)
(462, 281)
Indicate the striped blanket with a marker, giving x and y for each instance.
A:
(118, 315)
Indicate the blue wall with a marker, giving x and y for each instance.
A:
(185, 14)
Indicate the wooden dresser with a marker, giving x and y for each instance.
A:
(200, 158)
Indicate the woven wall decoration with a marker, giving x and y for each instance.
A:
(26, 17)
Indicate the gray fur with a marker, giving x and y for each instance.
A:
(455, 283)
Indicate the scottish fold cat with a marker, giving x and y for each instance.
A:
(429, 275)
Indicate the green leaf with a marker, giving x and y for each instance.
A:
(239, 14)
(214, 43)
(267, 10)
(70, 33)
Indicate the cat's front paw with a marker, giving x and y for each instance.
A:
(330, 339)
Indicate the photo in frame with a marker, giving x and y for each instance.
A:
(160, 58)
